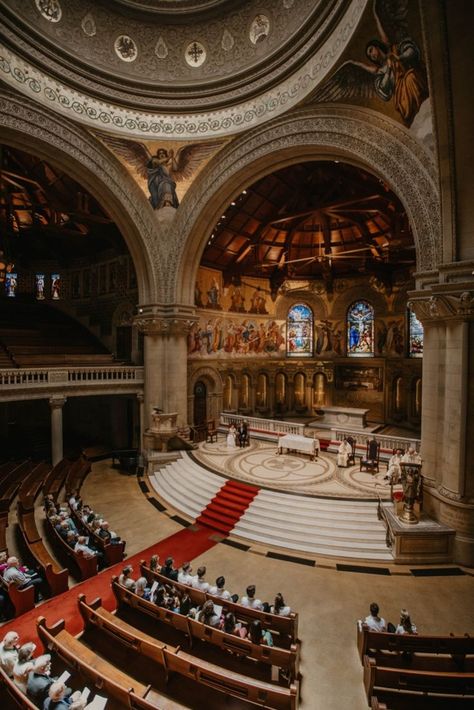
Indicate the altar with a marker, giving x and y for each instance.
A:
(351, 418)
(295, 442)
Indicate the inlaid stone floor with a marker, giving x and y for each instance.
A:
(260, 464)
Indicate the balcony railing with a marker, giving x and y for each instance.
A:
(45, 378)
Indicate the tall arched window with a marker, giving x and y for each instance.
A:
(262, 390)
(299, 331)
(415, 336)
(245, 392)
(360, 330)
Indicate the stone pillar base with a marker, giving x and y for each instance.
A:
(457, 515)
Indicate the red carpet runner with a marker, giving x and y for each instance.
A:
(220, 516)
(227, 506)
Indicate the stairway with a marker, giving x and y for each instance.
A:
(320, 526)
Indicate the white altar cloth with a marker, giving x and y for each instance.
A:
(294, 442)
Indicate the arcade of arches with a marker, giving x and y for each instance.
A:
(242, 222)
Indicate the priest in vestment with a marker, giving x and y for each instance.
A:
(343, 453)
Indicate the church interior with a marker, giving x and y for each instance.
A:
(236, 334)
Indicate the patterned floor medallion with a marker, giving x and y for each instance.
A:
(260, 464)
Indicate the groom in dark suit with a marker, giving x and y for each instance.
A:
(243, 433)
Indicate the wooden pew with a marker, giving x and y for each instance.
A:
(32, 484)
(54, 481)
(378, 641)
(11, 482)
(173, 660)
(416, 681)
(283, 625)
(76, 475)
(23, 600)
(14, 692)
(400, 700)
(287, 660)
(56, 577)
(114, 552)
(87, 566)
(111, 681)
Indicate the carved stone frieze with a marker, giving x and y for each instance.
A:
(380, 144)
(442, 307)
(250, 97)
(152, 324)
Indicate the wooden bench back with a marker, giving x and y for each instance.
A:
(76, 475)
(271, 655)
(14, 692)
(54, 481)
(415, 643)
(32, 484)
(424, 681)
(174, 660)
(284, 625)
(87, 566)
(114, 552)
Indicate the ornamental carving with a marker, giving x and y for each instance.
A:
(443, 307)
(249, 97)
(150, 324)
(379, 143)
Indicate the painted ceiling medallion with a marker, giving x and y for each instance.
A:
(227, 41)
(88, 25)
(125, 48)
(49, 9)
(259, 29)
(195, 54)
(161, 49)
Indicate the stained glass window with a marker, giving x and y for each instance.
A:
(299, 331)
(55, 286)
(415, 339)
(360, 330)
(11, 282)
(40, 279)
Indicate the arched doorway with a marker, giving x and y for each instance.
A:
(200, 403)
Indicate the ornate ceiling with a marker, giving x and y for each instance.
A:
(314, 220)
(172, 69)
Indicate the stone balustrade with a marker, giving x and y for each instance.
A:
(387, 442)
(24, 383)
(271, 427)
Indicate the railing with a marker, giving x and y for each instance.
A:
(263, 426)
(52, 377)
(387, 442)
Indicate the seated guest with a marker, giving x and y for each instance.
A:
(71, 538)
(258, 634)
(229, 624)
(154, 563)
(168, 570)
(50, 504)
(58, 698)
(208, 616)
(13, 575)
(141, 588)
(373, 620)
(343, 453)
(125, 578)
(9, 652)
(82, 547)
(4, 565)
(67, 519)
(250, 599)
(405, 626)
(184, 575)
(185, 604)
(394, 471)
(411, 456)
(219, 590)
(39, 680)
(279, 607)
(75, 500)
(63, 529)
(199, 582)
(106, 534)
(23, 666)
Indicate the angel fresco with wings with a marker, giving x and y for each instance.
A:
(396, 71)
(164, 169)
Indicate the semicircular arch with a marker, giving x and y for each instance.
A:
(357, 135)
(31, 128)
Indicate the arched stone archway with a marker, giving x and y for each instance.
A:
(357, 135)
(29, 127)
(214, 386)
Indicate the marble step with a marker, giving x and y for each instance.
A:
(292, 530)
(300, 522)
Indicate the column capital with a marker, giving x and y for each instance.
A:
(150, 324)
(57, 402)
(443, 306)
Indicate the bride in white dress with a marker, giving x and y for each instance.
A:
(232, 433)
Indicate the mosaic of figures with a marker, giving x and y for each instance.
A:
(250, 296)
(233, 338)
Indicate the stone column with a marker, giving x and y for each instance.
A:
(447, 420)
(165, 362)
(141, 419)
(56, 405)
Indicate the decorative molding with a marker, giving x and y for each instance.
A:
(359, 135)
(443, 307)
(299, 75)
(57, 402)
(151, 324)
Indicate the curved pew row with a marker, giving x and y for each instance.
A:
(84, 567)
(285, 626)
(285, 659)
(114, 552)
(54, 481)
(76, 475)
(14, 693)
(173, 660)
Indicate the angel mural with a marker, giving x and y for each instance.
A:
(396, 71)
(164, 169)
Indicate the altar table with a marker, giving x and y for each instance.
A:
(294, 442)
